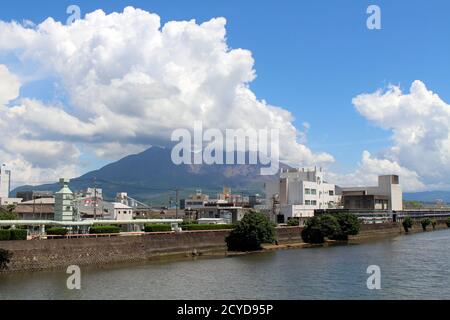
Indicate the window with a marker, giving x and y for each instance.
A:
(314, 203)
(313, 191)
(308, 202)
(307, 191)
(331, 193)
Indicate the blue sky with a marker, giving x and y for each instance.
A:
(312, 57)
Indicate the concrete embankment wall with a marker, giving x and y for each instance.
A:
(384, 230)
(60, 253)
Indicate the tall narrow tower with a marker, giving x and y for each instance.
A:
(5, 182)
(64, 210)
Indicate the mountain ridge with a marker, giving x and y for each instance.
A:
(151, 174)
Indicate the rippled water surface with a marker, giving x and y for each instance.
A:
(412, 267)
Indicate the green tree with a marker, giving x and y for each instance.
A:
(312, 233)
(425, 223)
(349, 225)
(434, 223)
(330, 227)
(320, 227)
(7, 215)
(5, 257)
(407, 223)
(251, 232)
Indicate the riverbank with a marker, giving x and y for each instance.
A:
(40, 255)
(412, 267)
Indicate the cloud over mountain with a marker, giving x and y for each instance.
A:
(129, 82)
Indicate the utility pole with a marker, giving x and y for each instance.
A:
(176, 204)
(95, 198)
(34, 206)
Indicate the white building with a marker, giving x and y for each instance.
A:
(299, 192)
(386, 196)
(117, 211)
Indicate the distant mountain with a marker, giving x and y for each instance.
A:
(152, 176)
(427, 196)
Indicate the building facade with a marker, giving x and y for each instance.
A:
(386, 196)
(298, 192)
(195, 201)
(117, 211)
(64, 209)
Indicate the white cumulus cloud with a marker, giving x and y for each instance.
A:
(131, 81)
(420, 126)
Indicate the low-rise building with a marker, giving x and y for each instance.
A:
(117, 211)
(386, 196)
(31, 195)
(10, 201)
(37, 209)
(198, 200)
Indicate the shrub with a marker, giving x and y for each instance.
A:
(5, 257)
(434, 223)
(293, 222)
(198, 227)
(252, 231)
(448, 222)
(425, 223)
(349, 225)
(312, 233)
(157, 228)
(407, 223)
(18, 234)
(104, 229)
(57, 231)
(320, 227)
(5, 235)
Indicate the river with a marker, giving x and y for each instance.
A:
(412, 267)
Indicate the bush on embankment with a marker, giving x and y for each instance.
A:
(5, 257)
(293, 222)
(5, 234)
(425, 223)
(157, 228)
(104, 230)
(407, 223)
(251, 232)
(335, 227)
(18, 234)
(205, 227)
(13, 234)
(434, 223)
(57, 231)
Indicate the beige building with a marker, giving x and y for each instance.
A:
(386, 196)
